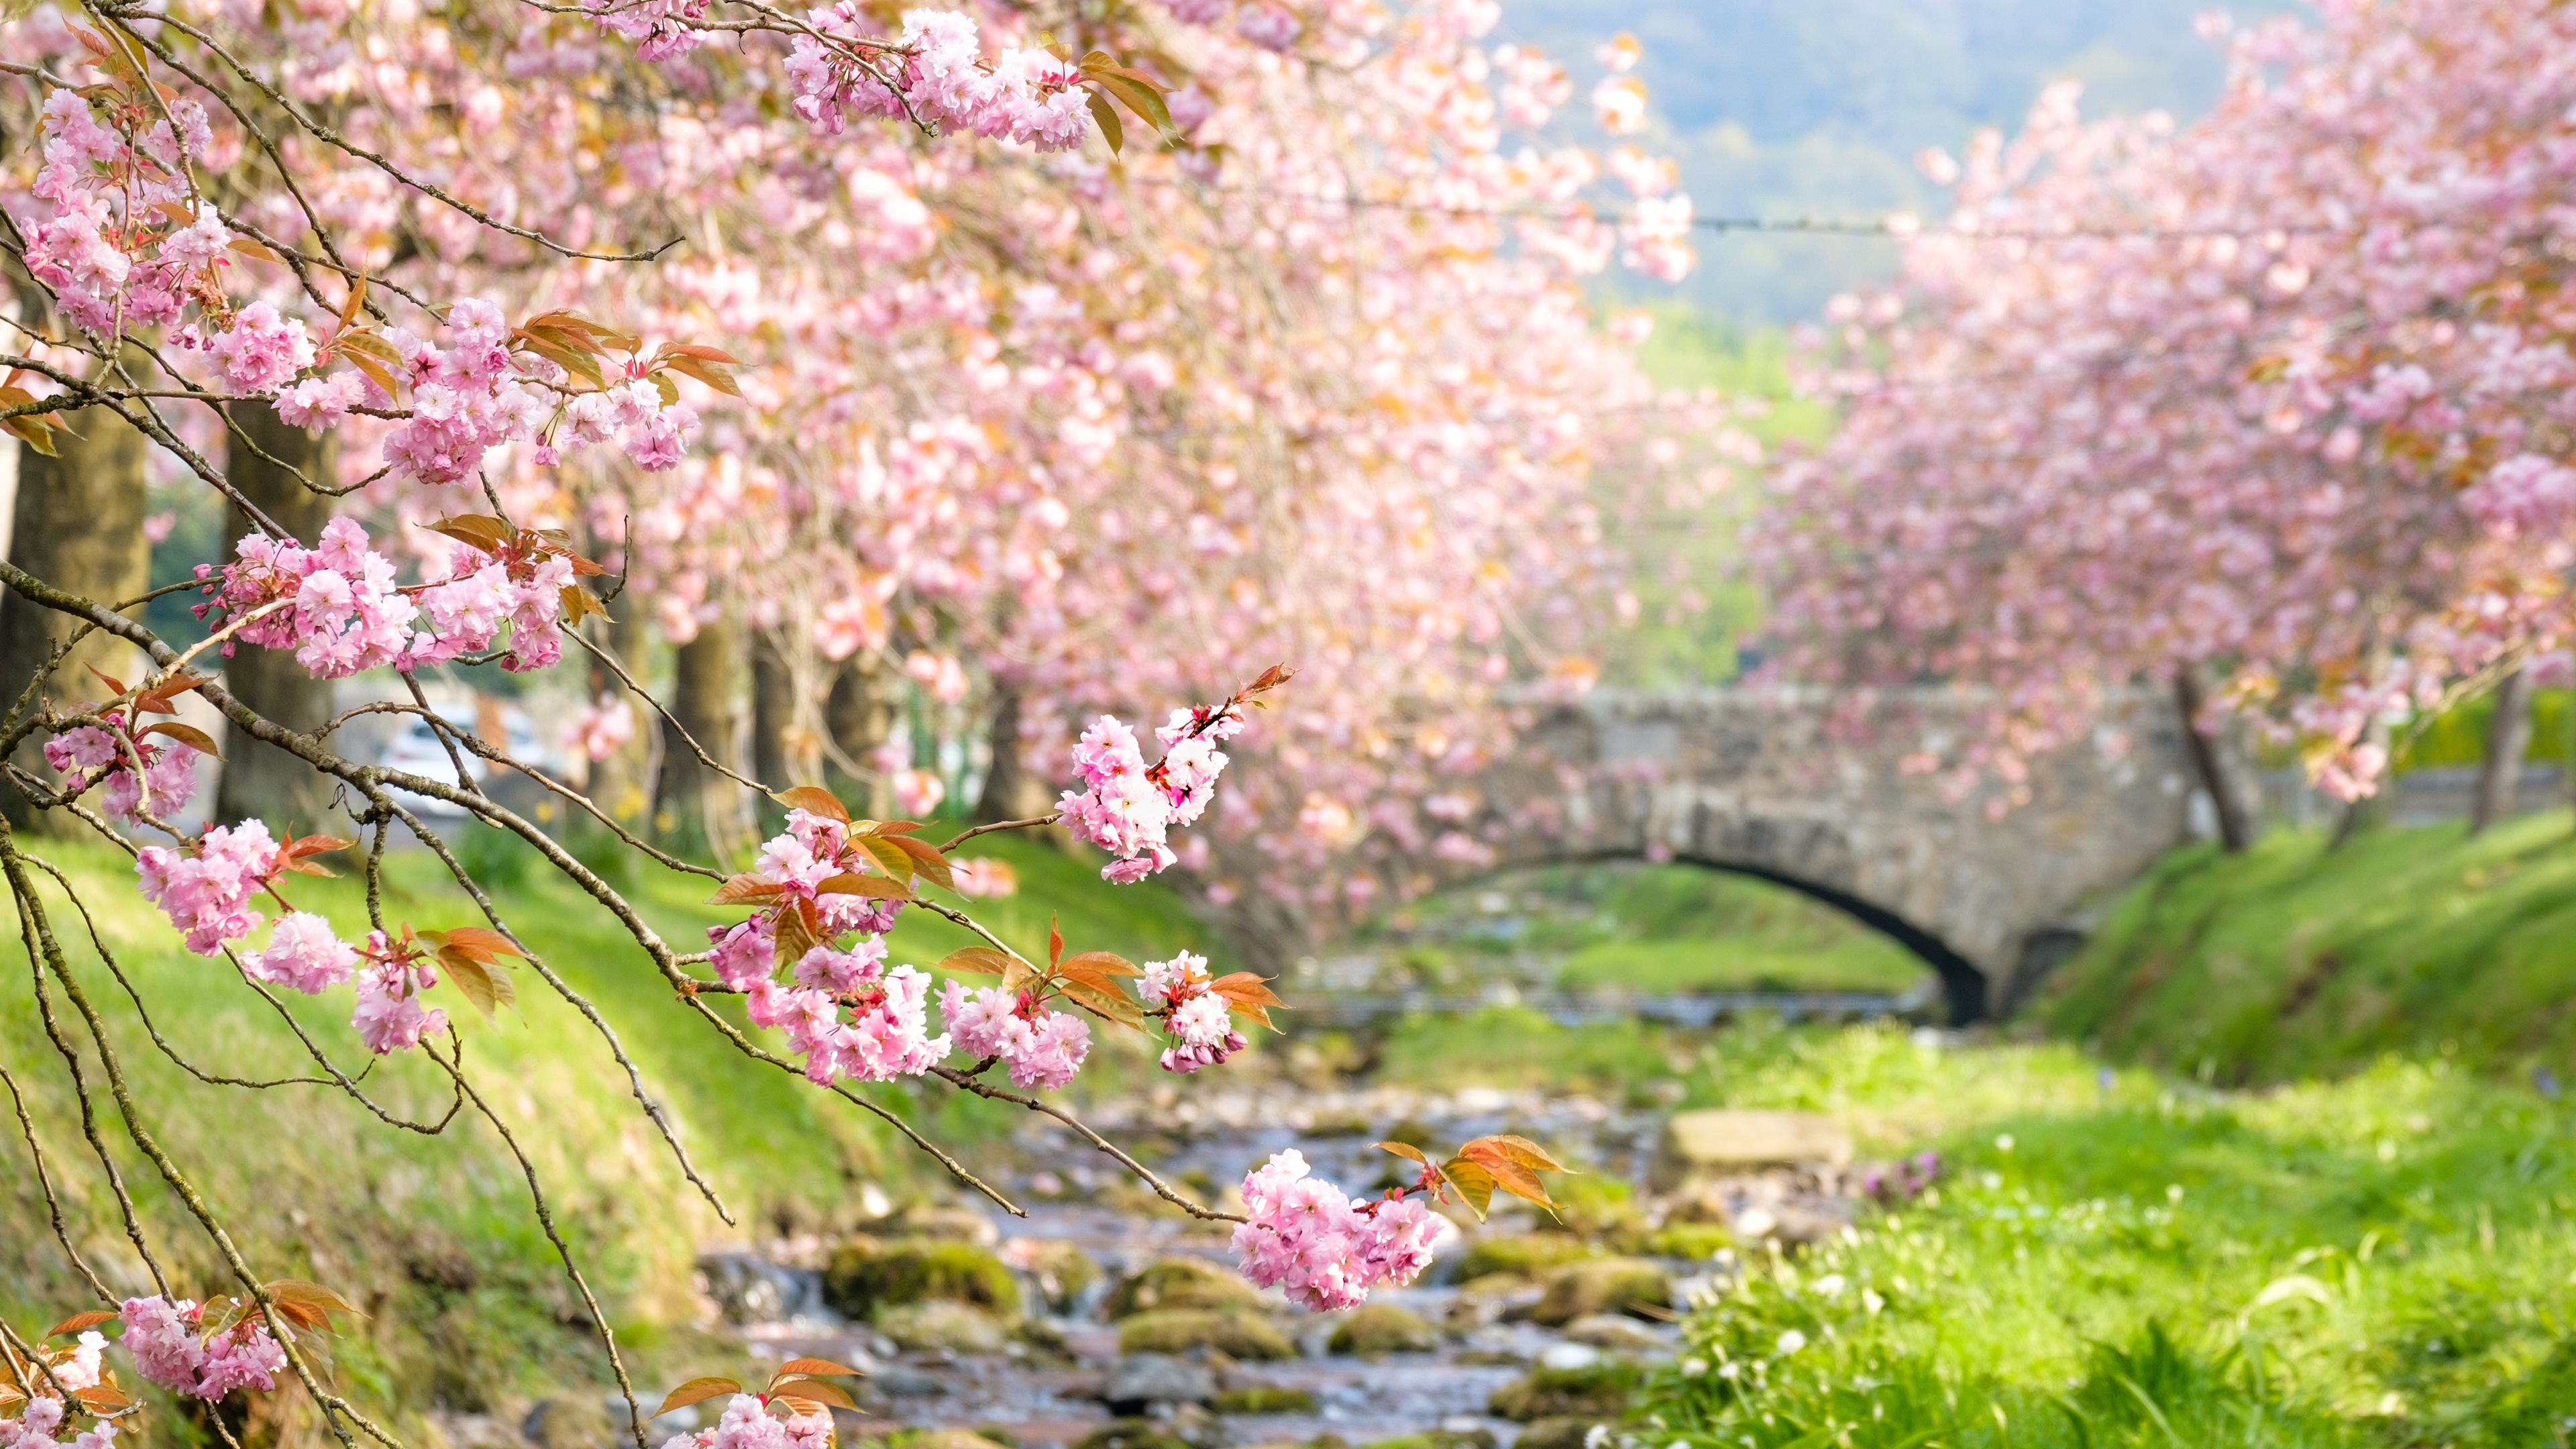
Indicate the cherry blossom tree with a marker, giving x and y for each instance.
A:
(2279, 396)
(915, 340)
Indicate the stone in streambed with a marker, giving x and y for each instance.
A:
(939, 1324)
(1596, 1392)
(1568, 1431)
(1168, 1283)
(1612, 1331)
(866, 1275)
(1602, 1285)
(570, 1421)
(1236, 1333)
(1697, 1144)
(1263, 1399)
(1522, 1255)
(1142, 1380)
(1378, 1328)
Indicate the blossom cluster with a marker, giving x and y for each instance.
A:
(1203, 1021)
(1023, 95)
(90, 755)
(390, 1017)
(1325, 1249)
(114, 253)
(1042, 1048)
(172, 1349)
(1127, 808)
(337, 607)
(748, 1424)
(207, 892)
(844, 1010)
(34, 1428)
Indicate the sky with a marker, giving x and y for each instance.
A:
(1797, 107)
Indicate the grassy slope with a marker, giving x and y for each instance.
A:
(2380, 1260)
(2292, 961)
(433, 1234)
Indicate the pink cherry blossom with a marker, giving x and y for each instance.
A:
(206, 892)
(1042, 1048)
(303, 954)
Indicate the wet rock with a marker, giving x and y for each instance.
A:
(1526, 1256)
(1572, 1431)
(1599, 1391)
(903, 1381)
(1167, 1283)
(948, 1221)
(1263, 1399)
(569, 1421)
(939, 1324)
(1602, 1285)
(1135, 1434)
(867, 1275)
(1063, 1272)
(1145, 1379)
(1695, 1144)
(1377, 1328)
(1232, 1332)
(1611, 1331)
(1478, 1437)
(747, 1288)
(949, 1439)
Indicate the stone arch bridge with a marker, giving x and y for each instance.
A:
(1782, 785)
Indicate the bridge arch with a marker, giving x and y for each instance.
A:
(1820, 795)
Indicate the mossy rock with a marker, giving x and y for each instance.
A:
(1438, 1439)
(1594, 1392)
(1377, 1328)
(1236, 1333)
(1263, 1399)
(866, 1276)
(941, 1324)
(1133, 1434)
(1602, 1285)
(1062, 1270)
(569, 1421)
(1529, 1255)
(1168, 1283)
(941, 1439)
(1570, 1431)
(1695, 1241)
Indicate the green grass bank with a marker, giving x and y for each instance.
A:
(2295, 961)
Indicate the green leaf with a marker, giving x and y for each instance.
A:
(1107, 116)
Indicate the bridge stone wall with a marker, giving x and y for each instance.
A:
(1779, 784)
(1791, 786)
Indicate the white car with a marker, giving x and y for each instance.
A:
(419, 751)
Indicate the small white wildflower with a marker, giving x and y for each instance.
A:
(1830, 1285)
(1791, 1341)
(1596, 1436)
(1693, 1367)
(1728, 1370)
(1870, 1300)
(2004, 1142)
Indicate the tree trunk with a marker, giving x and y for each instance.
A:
(260, 779)
(2508, 737)
(774, 759)
(622, 784)
(77, 523)
(2209, 760)
(694, 803)
(1011, 790)
(2370, 810)
(859, 716)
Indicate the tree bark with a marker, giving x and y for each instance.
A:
(77, 523)
(692, 801)
(2508, 738)
(260, 779)
(859, 715)
(774, 759)
(2209, 760)
(2371, 810)
(623, 783)
(1011, 791)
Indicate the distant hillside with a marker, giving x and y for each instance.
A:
(1788, 107)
